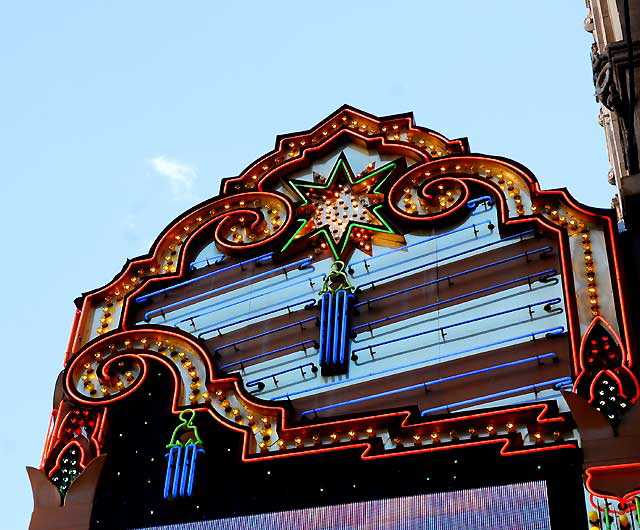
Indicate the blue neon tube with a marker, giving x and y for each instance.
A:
(171, 470)
(429, 383)
(561, 380)
(219, 258)
(265, 333)
(189, 451)
(302, 264)
(336, 319)
(146, 297)
(452, 276)
(558, 330)
(473, 203)
(192, 470)
(550, 301)
(324, 311)
(459, 254)
(433, 238)
(301, 367)
(217, 327)
(252, 297)
(272, 352)
(344, 338)
(178, 473)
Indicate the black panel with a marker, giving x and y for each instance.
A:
(132, 482)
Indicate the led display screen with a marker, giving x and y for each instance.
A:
(511, 507)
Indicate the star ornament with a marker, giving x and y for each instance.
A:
(343, 211)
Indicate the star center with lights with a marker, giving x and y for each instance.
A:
(344, 210)
(368, 299)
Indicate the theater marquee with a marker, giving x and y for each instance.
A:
(369, 320)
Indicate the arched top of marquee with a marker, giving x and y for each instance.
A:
(430, 162)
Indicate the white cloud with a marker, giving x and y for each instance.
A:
(181, 176)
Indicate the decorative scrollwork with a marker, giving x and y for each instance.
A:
(116, 365)
(418, 196)
(605, 379)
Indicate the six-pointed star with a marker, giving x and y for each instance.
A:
(345, 209)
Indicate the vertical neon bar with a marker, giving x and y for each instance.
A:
(192, 470)
(344, 337)
(189, 449)
(329, 330)
(171, 467)
(337, 321)
(324, 306)
(178, 471)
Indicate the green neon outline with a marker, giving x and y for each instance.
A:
(323, 230)
(291, 239)
(296, 184)
(187, 424)
(387, 167)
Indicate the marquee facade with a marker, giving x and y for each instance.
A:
(370, 317)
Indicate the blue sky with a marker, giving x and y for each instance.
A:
(116, 116)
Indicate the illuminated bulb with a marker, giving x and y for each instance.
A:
(316, 439)
(206, 397)
(352, 435)
(398, 442)
(193, 398)
(511, 427)
(435, 437)
(417, 439)
(491, 430)
(220, 395)
(473, 433)
(250, 420)
(299, 442)
(334, 437)
(265, 422)
(281, 444)
(263, 447)
(538, 438)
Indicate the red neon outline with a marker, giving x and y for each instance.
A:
(623, 365)
(140, 354)
(622, 500)
(47, 441)
(460, 202)
(350, 112)
(592, 397)
(72, 335)
(391, 145)
(82, 461)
